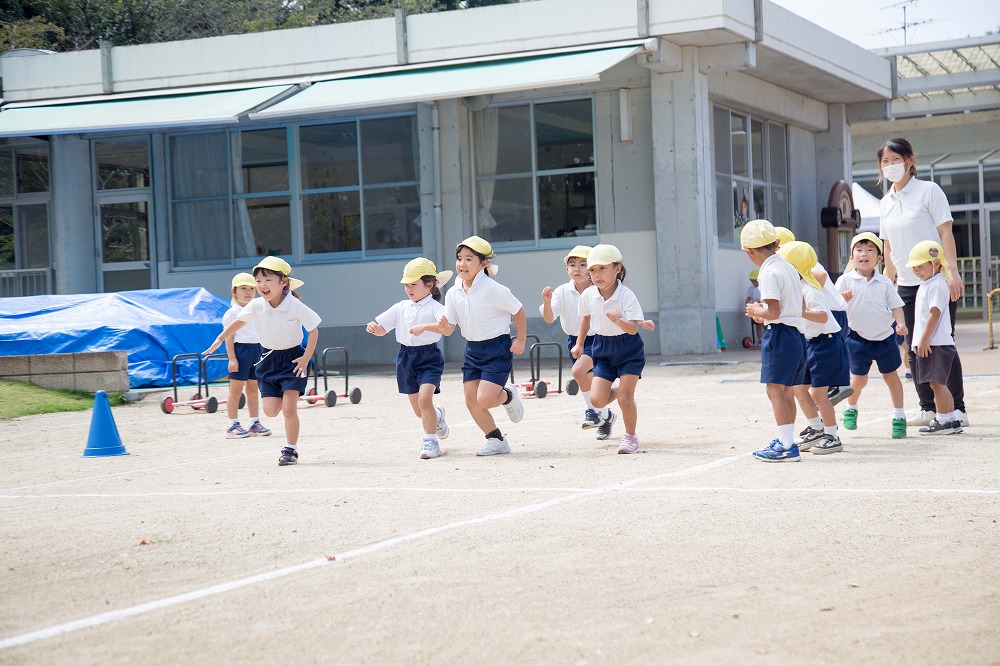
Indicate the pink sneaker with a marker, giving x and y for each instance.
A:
(257, 429)
(630, 444)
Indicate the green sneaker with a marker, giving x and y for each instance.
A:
(851, 419)
(898, 428)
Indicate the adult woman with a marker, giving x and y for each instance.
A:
(914, 210)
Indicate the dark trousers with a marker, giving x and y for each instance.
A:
(955, 382)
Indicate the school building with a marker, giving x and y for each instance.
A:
(659, 126)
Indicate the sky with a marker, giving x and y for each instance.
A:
(878, 23)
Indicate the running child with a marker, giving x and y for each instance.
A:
(932, 340)
(783, 346)
(279, 316)
(612, 311)
(419, 363)
(872, 307)
(564, 302)
(483, 308)
(826, 355)
(243, 350)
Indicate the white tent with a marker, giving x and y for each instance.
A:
(869, 207)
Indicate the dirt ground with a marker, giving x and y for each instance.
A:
(198, 549)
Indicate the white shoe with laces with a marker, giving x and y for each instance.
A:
(429, 449)
(921, 418)
(963, 418)
(515, 408)
(442, 427)
(494, 447)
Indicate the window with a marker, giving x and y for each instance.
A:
(535, 171)
(121, 164)
(232, 193)
(751, 172)
(960, 185)
(24, 206)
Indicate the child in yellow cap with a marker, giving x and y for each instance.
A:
(782, 346)
(753, 296)
(419, 363)
(875, 316)
(283, 367)
(932, 339)
(826, 355)
(483, 308)
(243, 350)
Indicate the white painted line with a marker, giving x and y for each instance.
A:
(860, 491)
(194, 595)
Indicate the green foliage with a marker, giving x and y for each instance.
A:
(33, 33)
(21, 399)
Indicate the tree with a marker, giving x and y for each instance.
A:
(33, 33)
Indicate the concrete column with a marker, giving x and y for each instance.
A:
(74, 242)
(684, 197)
(833, 163)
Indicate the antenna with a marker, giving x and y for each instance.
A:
(904, 4)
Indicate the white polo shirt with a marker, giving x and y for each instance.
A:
(816, 301)
(622, 301)
(566, 306)
(484, 312)
(908, 217)
(778, 280)
(834, 299)
(247, 333)
(933, 293)
(869, 312)
(280, 327)
(406, 314)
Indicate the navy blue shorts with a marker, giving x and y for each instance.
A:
(826, 361)
(617, 355)
(588, 345)
(840, 316)
(782, 355)
(276, 372)
(416, 366)
(247, 353)
(885, 353)
(488, 360)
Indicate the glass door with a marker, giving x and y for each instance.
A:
(125, 244)
(991, 255)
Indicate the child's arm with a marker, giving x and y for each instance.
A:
(227, 332)
(302, 362)
(630, 327)
(234, 363)
(547, 313)
(890, 268)
(424, 328)
(521, 328)
(577, 349)
(897, 314)
(647, 324)
(445, 328)
(770, 308)
(375, 328)
(817, 316)
(924, 344)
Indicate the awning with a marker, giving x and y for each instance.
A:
(145, 113)
(464, 80)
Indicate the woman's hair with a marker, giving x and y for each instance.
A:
(431, 281)
(259, 270)
(901, 147)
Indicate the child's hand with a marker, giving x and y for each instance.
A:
(848, 295)
(923, 350)
(614, 316)
(443, 322)
(757, 320)
(370, 327)
(215, 345)
(547, 294)
(901, 329)
(648, 324)
(754, 310)
(418, 329)
(301, 366)
(517, 347)
(576, 351)
(234, 366)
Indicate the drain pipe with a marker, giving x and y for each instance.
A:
(438, 217)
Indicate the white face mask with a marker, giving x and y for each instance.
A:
(894, 172)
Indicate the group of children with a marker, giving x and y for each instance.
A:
(598, 312)
(816, 334)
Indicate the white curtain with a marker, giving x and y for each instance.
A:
(486, 134)
(199, 230)
(243, 241)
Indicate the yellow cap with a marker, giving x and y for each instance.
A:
(479, 245)
(754, 273)
(803, 257)
(421, 266)
(603, 255)
(244, 280)
(757, 233)
(580, 251)
(928, 250)
(784, 234)
(279, 265)
(868, 236)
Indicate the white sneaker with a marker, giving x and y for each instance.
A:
(963, 418)
(494, 447)
(515, 408)
(429, 449)
(442, 428)
(921, 418)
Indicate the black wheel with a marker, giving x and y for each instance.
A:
(311, 391)
(747, 343)
(541, 389)
(211, 405)
(167, 405)
(330, 398)
(196, 396)
(572, 387)
(355, 396)
(243, 401)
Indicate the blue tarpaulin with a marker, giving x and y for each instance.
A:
(152, 325)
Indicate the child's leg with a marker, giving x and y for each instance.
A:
(423, 405)
(253, 398)
(944, 402)
(895, 388)
(782, 403)
(581, 372)
(805, 399)
(858, 383)
(272, 406)
(626, 401)
(290, 409)
(822, 402)
(233, 401)
(601, 393)
(480, 414)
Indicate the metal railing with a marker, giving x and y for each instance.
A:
(989, 317)
(26, 282)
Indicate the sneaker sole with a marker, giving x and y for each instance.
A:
(238, 436)
(491, 453)
(840, 396)
(589, 426)
(284, 463)
(428, 456)
(818, 451)
(778, 460)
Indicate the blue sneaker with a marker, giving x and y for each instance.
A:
(257, 429)
(775, 453)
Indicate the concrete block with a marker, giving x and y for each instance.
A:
(108, 361)
(48, 364)
(55, 382)
(110, 382)
(14, 365)
(19, 378)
